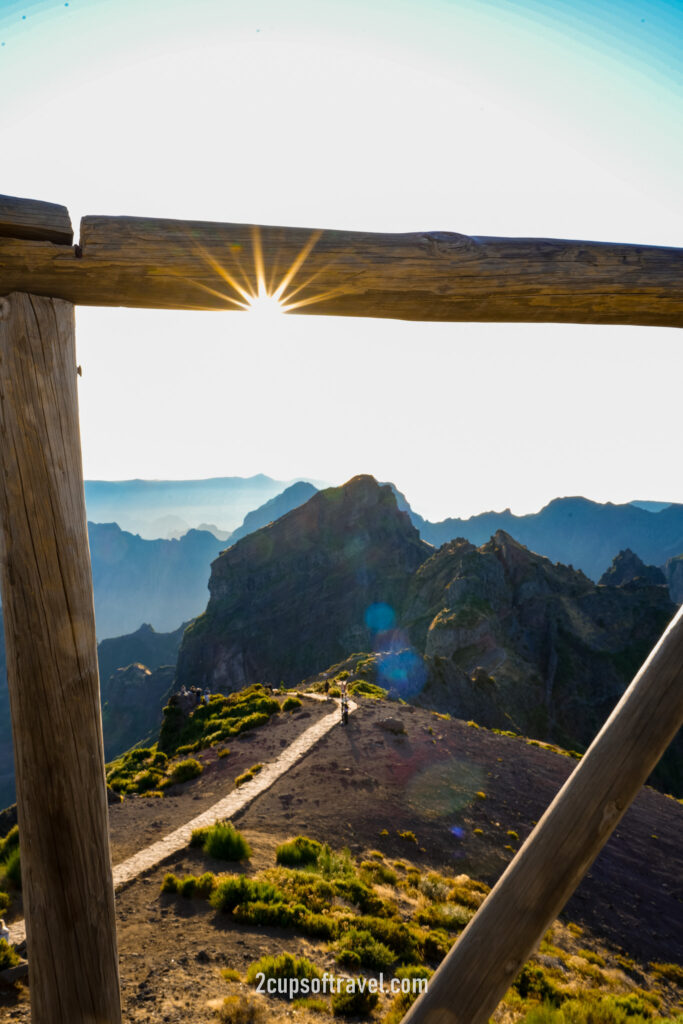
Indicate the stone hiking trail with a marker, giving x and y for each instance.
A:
(151, 856)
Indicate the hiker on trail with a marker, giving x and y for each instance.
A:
(343, 686)
(4, 931)
(207, 695)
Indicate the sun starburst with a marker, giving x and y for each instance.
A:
(255, 292)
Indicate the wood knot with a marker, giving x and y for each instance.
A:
(5, 307)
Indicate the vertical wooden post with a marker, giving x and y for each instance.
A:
(485, 960)
(52, 670)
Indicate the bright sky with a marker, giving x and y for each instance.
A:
(481, 116)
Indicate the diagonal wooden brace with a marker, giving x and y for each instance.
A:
(479, 969)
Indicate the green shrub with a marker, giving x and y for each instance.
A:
(253, 721)
(271, 915)
(4, 902)
(670, 972)
(353, 891)
(354, 1004)
(221, 841)
(414, 971)
(589, 1009)
(144, 781)
(434, 887)
(191, 885)
(291, 704)
(377, 872)
(365, 689)
(248, 775)
(335, 863)
(9, 843)
(450, 916)
(236, 889)
(298, 852)
(169, 884)
(593, 958)
(11, 868)
(183, 771)
(139, 755)
(399, 1007)
(189, 748)
(394, 934)
(358, 948)
(408, 836)
(240, 1009)
(8, 956)
(317, 1005)
(436, 943)
(533, 983)
(284, 966)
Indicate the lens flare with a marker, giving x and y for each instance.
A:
(258, 291)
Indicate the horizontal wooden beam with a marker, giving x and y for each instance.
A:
(35, 220)
(170, 264)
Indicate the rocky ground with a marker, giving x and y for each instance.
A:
(468, 796)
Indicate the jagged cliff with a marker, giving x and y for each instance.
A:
(628, 568)
(557, 649)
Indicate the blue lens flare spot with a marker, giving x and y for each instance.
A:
(380, 617)
(458, 832)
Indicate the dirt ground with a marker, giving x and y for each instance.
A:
(460, 790)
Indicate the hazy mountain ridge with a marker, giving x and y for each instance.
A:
(574, 531)
(155, 508)
(159, 581)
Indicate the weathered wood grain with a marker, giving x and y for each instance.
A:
(52, 670)
(33, 219)
(169, 264)
(479, 969)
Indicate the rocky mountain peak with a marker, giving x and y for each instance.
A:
(628, 568)
(313, 574)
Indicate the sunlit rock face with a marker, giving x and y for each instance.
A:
(294, 595)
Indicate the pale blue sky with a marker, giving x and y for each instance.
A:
(503, 118)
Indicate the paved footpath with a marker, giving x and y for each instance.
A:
(149, 858)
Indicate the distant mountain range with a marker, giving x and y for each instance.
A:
(574, 531)
(168, 508)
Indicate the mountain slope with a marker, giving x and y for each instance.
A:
(294, 595)
(273, 509)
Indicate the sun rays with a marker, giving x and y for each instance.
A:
(259, 291)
